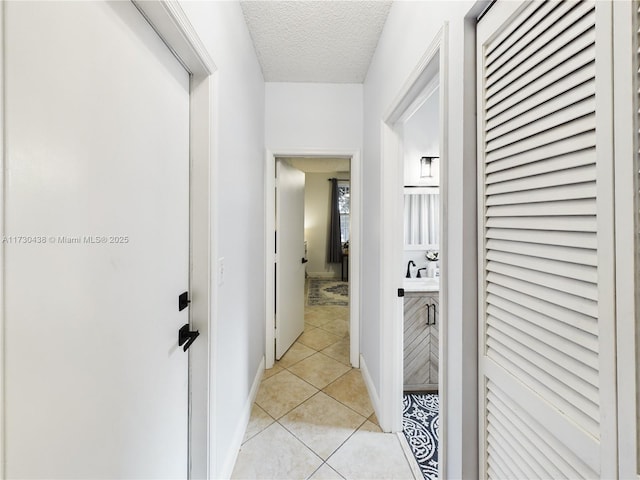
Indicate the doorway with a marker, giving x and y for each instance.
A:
(421, 305)
(351, 260)
(428, 78)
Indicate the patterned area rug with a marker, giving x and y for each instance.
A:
(328, 292)
(421, 424)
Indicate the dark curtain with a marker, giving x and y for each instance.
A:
(334, 252)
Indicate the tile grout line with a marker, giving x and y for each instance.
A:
(318, 390)
(351, 369)
(324, 461)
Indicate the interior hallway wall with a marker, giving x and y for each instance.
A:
(317, 205)
(422, 138)
(238, 206)
(313, 116)
(410, 29)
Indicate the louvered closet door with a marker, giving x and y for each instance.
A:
(546, 319)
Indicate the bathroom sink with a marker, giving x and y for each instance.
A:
(421, 284)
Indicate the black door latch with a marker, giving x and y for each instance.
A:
(186, 336)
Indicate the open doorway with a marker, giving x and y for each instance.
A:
(414, 172)
(421, 260)
(312, 233)
(321, 167)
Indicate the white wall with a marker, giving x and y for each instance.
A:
(238, 211)
(409, 30)
(317, 204)
(421, 138)
(313, 116)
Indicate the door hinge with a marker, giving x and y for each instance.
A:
(183, 301)
(275, 258)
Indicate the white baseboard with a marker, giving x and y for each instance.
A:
(411, 460)
(373, 394)
(236, 441)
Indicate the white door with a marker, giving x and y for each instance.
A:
(547, 319)
(96, 218)
(290, 256)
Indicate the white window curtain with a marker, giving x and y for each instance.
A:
(421, 219)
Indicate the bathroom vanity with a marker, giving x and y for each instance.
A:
(421, 339)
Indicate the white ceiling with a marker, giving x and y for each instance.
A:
(322, 41)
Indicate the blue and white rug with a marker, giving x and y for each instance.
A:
(421, 424)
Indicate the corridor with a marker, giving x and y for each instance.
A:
(312, 417)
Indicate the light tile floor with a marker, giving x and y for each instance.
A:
(312, 418)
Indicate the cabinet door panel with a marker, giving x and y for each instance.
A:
(420, 342)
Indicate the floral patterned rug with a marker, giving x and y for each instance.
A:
(421, 425)
(328, 292)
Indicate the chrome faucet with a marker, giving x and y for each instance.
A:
(409, 268)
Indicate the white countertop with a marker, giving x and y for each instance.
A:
(422, 284)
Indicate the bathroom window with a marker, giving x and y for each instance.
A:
(343, 207)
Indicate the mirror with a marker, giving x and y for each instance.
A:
(421, 218)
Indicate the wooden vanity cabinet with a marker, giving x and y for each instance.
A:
(421, 341)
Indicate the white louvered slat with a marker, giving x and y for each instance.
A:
(528, 430)
(586, 173)
(511, 451)
(550, 194)
(565, 320)
(564, 238)
(554, 134)
(513, 31)
(584, 273)
(562, 285)
(585, 207)
(563, 153)
(543, 123)
(581, 256)
(574, 342)
(576, 68)
(504, 350)
(508, 110)
(503, 463)
(546, 295)
(505, 123)
(564, 224)
(531, 28)
(541, 167)
(504, 432)
(563, 366)
(566, 39)
(534, 78)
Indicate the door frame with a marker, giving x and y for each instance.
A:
(626, 146)
(430, 73)
(354, 245)
(172, 25)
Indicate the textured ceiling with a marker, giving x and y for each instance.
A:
(315, 41)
